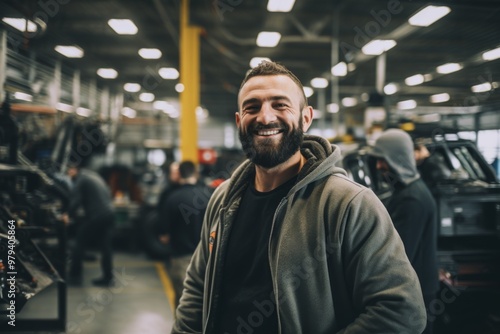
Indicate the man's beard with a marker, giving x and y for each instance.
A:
(267, 153)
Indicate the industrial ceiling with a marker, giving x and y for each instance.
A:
(315, 35)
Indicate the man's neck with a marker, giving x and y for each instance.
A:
(267, 179)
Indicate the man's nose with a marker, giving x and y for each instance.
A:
(266, 114)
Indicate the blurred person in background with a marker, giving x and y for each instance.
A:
(181, 213)
(412, 208)
(90, 193)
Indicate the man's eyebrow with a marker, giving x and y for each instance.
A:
(272, 98)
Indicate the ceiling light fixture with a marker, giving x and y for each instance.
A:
(428, 15)
(149, 53)
(107, 73)
(339, 70)
(407, 104)
(132, 87)
(449, 68)
(83, 112)
(23, 96)
(255, 61)
(349, 101)
(481, 88)
(378, 46)
(20, 24)
(179, 88)
(168, 73)
(390, 88)
(414, 80)
(147, 97)
(332, 108)
(64, 107)
(319, 83)
(492, 54)
(308, 91)
(439, 98)
(123, 26)
(268, 39)
(69, 51)
(129, 112)
(280, 5)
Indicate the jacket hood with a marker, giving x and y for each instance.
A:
(396, 147)
(321, 158)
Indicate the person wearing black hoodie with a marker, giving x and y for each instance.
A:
(412, 208)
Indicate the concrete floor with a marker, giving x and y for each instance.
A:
(138, 303)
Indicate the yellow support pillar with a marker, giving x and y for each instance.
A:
(190, 78)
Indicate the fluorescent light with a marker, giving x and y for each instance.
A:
(20, 24)
(147, 97)
(378, 46)
(481, 88)
(428, 15)
(492, 54)
(129, 112)
(161, 105)
(414, 80)
(280, 5)
(23, 96)
(340, 70)
(69, 51)
(407, 104)
(168, 73)
(390, 88)
(332, 108)
(438, 98)
(150, 53)
(132, 87)
(179, 88)
(319, 83)
(349, 101)
(64, 107)
(449, 68)
(83, 112)
(255, 61)
(268, 39)
(123, 26)
(308, 91)
(107, 73)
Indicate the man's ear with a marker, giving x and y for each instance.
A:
(237, 117)
(307, 117)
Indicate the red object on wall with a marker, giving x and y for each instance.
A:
(207, 156)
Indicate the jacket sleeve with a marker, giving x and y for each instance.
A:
(189, 313)
(384, 288)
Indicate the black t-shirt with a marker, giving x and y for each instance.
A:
(247, 303)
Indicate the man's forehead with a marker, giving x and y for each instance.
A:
(277, 83)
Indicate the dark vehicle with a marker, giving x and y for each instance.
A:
(467, 193)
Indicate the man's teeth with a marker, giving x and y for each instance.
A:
(268, 132)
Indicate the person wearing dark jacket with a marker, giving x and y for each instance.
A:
(411, 206)
(182, 212)
(289, 244)
(90, 193)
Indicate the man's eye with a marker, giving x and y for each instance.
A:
(251, 108)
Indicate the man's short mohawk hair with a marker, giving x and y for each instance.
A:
(273, 68)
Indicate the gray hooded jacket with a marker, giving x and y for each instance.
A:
(337, 263)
